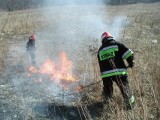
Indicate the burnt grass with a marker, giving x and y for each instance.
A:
(23, 98)
(58, 112)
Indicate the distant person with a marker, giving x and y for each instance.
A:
(111, 56)
(31, 48)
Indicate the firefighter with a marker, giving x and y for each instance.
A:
(111, 56)
(31, 48)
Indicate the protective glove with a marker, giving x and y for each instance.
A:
(131, 64)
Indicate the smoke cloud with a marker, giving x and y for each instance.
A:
(72, 26)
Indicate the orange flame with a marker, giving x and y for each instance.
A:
(32, 69)
(48, 67)
(57, 71)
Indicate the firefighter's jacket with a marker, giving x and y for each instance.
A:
(111, 56)
(31, 45)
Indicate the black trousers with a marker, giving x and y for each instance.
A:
(33, 57)
(121, 81)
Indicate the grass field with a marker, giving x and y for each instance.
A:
(21, 98)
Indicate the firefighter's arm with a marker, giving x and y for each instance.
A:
(129, 57)
(130, 61)
(98, 54)
(27, 47)
(127, 54)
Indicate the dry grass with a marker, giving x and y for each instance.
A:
(144, 27)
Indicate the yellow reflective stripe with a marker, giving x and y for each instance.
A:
(115, 70)
(127, 54)
(113, 47)
(113, 74)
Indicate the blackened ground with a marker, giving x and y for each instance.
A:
(61, 112)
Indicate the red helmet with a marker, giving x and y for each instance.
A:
(33, 37)
(105, 35)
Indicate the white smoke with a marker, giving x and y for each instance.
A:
(72, 26)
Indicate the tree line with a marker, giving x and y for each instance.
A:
(130, 1)
(11, 5)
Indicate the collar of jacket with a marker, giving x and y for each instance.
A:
(107, 40)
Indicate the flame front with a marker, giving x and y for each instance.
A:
(58, 71)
